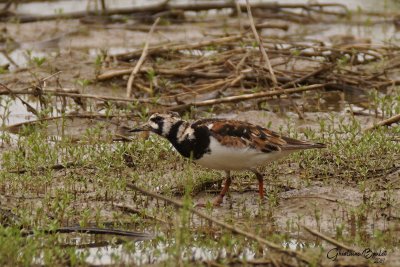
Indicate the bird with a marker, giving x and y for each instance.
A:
(223, 144)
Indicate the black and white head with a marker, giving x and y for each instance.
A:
(160, 123)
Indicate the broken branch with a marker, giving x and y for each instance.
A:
(387, 122)
(232, 99)
(260, 44)
(141, 60)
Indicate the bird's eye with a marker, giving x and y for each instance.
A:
(156, 119)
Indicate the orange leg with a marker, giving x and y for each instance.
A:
(260, 183)
(218, 200)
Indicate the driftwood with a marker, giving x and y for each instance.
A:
(165, 6)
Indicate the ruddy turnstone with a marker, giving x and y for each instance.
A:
(223, 144)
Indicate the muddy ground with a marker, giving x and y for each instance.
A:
(68, 161)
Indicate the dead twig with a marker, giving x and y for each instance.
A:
(141, 60)
(174, 48)
(28, 106)
(70, 93)
(103, 6)
(53, 167)
(14, 128)
(239, 15)
(327, 238)
(318, 197)
(261, 45)
(280, 26)
(305, 77)
(233, 99)
(91, 230)
(178, 73)
(387, 122)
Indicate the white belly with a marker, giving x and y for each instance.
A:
(226, 158)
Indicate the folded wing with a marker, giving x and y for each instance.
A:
(240, 134)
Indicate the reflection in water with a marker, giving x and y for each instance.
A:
(143, 252)
(17, 110)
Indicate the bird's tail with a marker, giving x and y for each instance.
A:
(294, 144)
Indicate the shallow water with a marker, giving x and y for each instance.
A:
(159, 253)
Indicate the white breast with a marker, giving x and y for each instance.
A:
(227, 158)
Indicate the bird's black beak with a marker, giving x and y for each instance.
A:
(143, 128)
